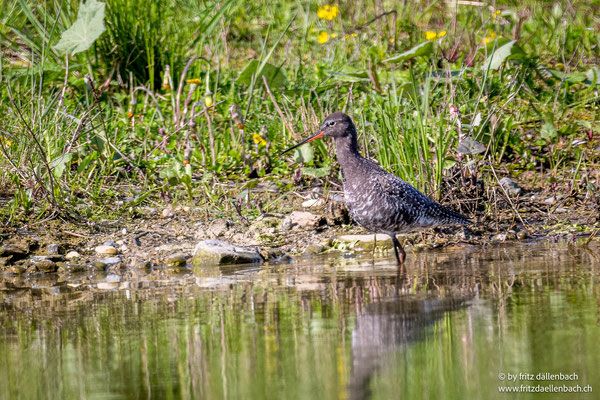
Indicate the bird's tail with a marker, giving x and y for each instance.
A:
(452, 217)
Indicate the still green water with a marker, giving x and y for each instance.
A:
(326, 328)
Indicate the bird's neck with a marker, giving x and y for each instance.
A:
(346, 149)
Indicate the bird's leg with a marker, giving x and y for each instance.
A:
(400, 253)
(374, 246)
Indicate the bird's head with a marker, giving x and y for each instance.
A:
(336, 125)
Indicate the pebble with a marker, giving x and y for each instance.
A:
(313, 203)
(168, 213)
(219, 253)
(52, 248)
(99, 265)
(16, 269)
(106, 249)
(304, 220)
(501, 237)
(177, 260)
(107, 285)
(364, 242)
(45, 266)
(72, 254)
(110, 260)
(313, 249)
(510, 186)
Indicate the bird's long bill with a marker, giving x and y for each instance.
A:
(310, 139)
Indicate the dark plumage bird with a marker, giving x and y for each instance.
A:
(378, 200)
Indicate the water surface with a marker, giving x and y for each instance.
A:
(453, 326)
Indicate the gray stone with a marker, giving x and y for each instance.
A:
(511, 187)
(177, 260)
(111, 260)
(72, 255)
(104, 249)
(363, 242)
(313, 203)
(16, 252)
(43, 264)
(218, 227)
(306, 220)
(168, 212)
(219, 253)
(99, 265)
(313, 249)
(52, 248)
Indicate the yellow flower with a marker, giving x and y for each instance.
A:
(194, 81)
(391, 40)
(323, 37)
(5, 141)
(491, 36)
(430, 35)
(259, 139)
(497, 14)
(333, 35)
(328, 12)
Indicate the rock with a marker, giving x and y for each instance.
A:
(99, 265)
(110, 242)
(550, 200)
(52, 248)
(72, 255)
(313, 203)
(218, 252)
(43, 264)
(286, 225)
(16, 269)
(108, 285)
(105, 249)
(111, 261)
(522, 235)
(14, 252)
(500, 237)
(313, 249)
(362, 242)
(218, 227)
(305, 220)
(265, 228)
(510, 186)
(177, 260)
(168, 212)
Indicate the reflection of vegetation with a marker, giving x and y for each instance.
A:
(290, 335)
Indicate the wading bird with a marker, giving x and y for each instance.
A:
(378, 200)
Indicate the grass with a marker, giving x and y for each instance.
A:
(145, 112)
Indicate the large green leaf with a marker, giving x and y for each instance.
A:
(304, 153)
(88, 27)
(316, 172)
(350, 74)
(421, 50)
(508, 51)
(275, 76)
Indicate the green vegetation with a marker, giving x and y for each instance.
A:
(179, 99)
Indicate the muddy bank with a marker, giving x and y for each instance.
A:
(166, 239)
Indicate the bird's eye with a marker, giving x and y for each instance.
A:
(331, 123)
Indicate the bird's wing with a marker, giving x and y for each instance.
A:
(416, 206)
